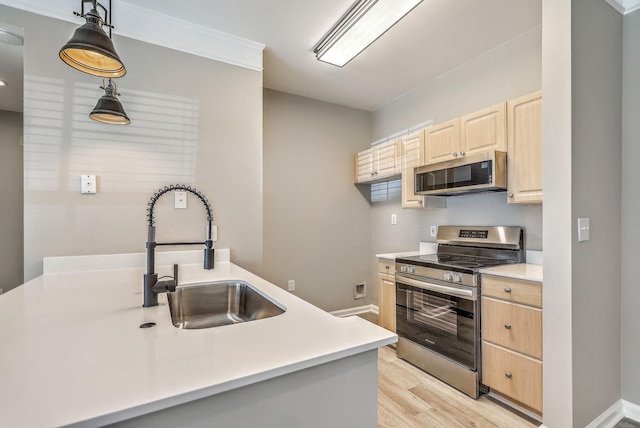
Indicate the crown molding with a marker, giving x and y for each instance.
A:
(152, 27)
(625, 7)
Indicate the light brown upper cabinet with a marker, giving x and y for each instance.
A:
(412, 156)
(442, 141)
(483, 131)
(378, 162)
(477, 132)
(524, 164)
(412, 151)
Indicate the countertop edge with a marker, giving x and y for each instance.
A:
(524, 271)
(187, 397)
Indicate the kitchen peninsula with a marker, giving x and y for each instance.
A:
(74, 354)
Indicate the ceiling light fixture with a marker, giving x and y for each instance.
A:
(109, 109)
(3, 83)
(90, 49)
(363, 23)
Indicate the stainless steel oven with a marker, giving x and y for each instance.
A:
(437, 301)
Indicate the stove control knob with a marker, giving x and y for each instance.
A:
(448, 276)
(403, 268)
(412, 269)
(457, 277)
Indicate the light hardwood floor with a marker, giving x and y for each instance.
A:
(408, 397)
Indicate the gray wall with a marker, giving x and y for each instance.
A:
(630, 208)
(194, 121)
(316, 223)
(508, 71)
(11, 197)
(596, 54)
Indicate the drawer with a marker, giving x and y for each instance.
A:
(512, 374)
(513, 290)
(513, 326)
(387, 266)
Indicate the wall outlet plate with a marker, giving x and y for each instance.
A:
(88, 184)
(433, 231)
(180, 199)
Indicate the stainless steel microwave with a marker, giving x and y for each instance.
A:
(483, 172)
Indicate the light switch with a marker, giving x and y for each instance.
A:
(88, 184)
(583, 229)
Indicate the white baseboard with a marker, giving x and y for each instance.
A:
(355, 311)
(609, 418)
(614, 414)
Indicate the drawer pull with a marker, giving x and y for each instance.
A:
(386, 267)
(508, 375)
(507, 290)
(507, 326)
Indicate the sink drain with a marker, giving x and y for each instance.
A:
(147, 325)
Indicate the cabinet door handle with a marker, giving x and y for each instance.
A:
(455, 154)
(507, 326)
(508, 375)
(461, 153)
(386, 267)
(507, 290)
(510, 195)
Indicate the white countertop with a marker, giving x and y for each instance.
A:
(526, 271)
(425, 248)
(73, 352)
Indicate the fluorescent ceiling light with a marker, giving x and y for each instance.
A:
(363, 23)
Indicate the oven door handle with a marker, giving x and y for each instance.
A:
(452, 291)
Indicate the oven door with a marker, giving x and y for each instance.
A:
(439, 317)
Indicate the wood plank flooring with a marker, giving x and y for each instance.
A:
(408, 397)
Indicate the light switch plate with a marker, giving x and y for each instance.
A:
(583, 229)
(88, 184)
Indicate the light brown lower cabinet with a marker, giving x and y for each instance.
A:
(387, 294)
(512, 339)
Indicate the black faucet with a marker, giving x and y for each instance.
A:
(152, 286)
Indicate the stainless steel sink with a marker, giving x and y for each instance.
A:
(214, 304)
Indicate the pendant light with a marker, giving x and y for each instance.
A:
(109, 109)
(90, 49)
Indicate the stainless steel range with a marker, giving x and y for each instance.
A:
(438, 305)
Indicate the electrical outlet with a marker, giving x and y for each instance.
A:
(433, 231)
(394, 219)
(292, 285)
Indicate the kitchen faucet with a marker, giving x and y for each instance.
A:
(153, 287)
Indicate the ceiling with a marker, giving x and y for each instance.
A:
(437, 36)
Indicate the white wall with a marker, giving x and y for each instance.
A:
(11, 197)
(630, 372)
(557, 232)
(316, 222)
(194, 121)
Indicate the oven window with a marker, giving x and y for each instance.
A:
(441, 323)
(435, 312)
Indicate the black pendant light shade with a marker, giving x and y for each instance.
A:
(90, 49)
(109, 109)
